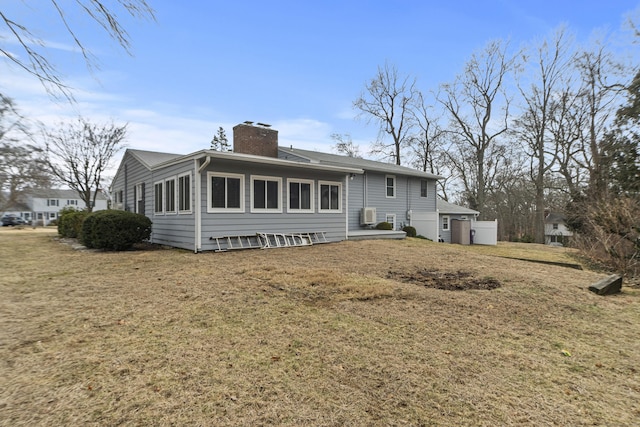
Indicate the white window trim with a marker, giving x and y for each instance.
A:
(266, 178)
(393, 220)
(427, 187)
(448, 222)
(339, 185)
(312, 195)
(225, 175)
(160, 212)
(395, 186)
(179, 193)
(175, 194)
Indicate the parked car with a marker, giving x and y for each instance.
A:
(12, 220)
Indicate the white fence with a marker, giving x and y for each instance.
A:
(486, 232)
(426, 224)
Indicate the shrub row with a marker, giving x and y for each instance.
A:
(109, 229)
(70, 222)
(411, 231)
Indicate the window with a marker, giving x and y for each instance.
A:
(226, 192)
(445, 222)
(330, 195)
(138, 197)
(158, 200)
(391, 185)
(391, 219)
(555, 226)
(118, 199)
(265, 194)
(424, 188)
(300, 195)
(53, 202)
(184, 193)
(170, 196)
(72, 202)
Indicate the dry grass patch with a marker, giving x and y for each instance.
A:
(320, 335)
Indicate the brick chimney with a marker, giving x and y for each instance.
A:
(258, 139)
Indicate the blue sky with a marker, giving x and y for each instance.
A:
(297, 65)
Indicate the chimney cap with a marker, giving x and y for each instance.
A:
(264, 124)
(247, 122)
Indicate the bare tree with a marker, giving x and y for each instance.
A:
(478, 107)
(388, 101)
(79, 153)
(345, 145)
(22, 164)
(551, 61)
(601, 78)
(566, 126)
(32, 57)
(427, 142)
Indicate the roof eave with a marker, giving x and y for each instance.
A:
(249, 158)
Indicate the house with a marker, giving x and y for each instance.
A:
(201, 200)
(44, 205)
(556, 230)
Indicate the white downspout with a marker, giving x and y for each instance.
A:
(198, 202)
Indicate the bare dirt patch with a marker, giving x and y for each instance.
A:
(450, 281)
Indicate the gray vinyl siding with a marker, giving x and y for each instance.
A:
(177, 230)
(130, 174)
(369, 190)
(173, 229)
(221, 224)
(356, 200)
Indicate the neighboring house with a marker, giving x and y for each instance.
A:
(555, 229)
(194, 200)
(44, 205)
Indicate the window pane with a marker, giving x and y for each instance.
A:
(305, 196)
(259, 196)
(324, 196)
(294, 195)
(390, 186)
(158, 198)
(171, 196)
(233, 193)
(218, 185)
(423, 188)
(334, 197)
(184, 186)
(272, 195)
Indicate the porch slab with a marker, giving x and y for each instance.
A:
(375, 234)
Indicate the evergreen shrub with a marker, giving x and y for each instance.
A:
(115, 230)
(411, 231)
(384, 226)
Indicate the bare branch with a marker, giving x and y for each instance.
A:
(35, 61)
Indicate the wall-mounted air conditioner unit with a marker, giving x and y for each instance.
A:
(367, 216)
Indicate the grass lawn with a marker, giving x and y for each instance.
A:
(369, 333)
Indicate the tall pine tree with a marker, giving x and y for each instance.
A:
(220, 141)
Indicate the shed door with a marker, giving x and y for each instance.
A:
(426, 224)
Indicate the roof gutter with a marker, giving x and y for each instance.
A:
(198, 168)
(250, 158)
